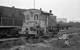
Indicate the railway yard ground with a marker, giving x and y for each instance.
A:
(53, 44)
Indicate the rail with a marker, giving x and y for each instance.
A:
(6, 39)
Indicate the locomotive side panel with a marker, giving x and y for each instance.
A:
(11, 16)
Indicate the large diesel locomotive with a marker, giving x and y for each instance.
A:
(30, 22)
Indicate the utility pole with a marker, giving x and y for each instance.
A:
(34, 4)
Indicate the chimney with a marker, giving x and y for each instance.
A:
(50, 11)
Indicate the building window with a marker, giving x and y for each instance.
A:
(36, 17)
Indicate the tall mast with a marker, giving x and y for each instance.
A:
(34, 4)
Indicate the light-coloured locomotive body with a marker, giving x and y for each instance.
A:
(33, 18)
(36, 21)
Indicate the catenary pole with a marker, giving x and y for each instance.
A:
(34, 4)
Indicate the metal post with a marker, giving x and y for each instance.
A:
(34, 4)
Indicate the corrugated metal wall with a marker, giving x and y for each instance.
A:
(11, 16)
(9, 21)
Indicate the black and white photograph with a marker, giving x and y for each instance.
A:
(39, 25)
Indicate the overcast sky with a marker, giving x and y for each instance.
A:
(69, 9)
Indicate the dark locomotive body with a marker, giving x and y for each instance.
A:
(11, 20)
(15, 22)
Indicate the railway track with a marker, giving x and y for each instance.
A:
(6, 39)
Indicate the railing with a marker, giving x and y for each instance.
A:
(10, 21)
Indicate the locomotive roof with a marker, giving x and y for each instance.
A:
(10, 11)
(5, 7)
(42, 12)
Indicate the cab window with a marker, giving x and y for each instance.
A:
(36, 17)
